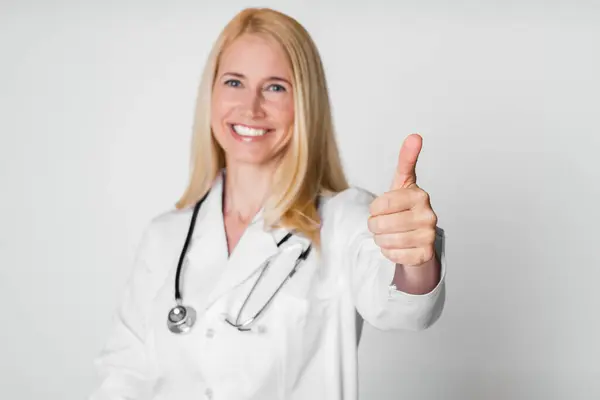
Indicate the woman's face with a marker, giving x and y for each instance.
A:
(252, 102)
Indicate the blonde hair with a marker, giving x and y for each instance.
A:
(311, 165)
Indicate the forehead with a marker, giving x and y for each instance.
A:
(255, 56)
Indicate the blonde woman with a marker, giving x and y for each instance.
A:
(257, 284)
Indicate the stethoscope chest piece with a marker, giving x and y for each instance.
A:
(181, 319)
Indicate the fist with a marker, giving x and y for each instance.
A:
(402, 220)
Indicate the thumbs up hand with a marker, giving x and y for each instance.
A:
(402, 219)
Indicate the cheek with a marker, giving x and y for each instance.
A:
(218, 112)
(290, 114)
(284, 114)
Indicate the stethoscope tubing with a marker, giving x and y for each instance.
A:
(183, 253)
(181, 318)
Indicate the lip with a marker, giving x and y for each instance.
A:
(248, 139)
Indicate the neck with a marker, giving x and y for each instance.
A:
(245, 190)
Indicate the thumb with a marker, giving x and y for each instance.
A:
(406, 175)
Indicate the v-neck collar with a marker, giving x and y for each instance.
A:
(209, 243)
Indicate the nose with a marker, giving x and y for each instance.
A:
(253, 106)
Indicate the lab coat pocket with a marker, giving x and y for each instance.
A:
(245, 362)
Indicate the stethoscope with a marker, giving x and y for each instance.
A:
(181, 318)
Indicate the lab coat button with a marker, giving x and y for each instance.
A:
(208, 393)
(209, 334)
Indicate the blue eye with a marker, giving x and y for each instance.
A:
(233, 83)
(276, 88)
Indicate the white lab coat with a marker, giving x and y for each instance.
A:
(305, 344)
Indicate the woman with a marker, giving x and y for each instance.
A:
(267, 184)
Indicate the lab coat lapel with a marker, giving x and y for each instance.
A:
(209, 244)
(254, 247)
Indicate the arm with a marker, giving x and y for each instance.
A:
(371, 274)
(417, 279)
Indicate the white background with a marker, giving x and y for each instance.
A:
(96, 101)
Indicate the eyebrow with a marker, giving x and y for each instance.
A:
(270, 78)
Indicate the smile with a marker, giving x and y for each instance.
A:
(248, 131)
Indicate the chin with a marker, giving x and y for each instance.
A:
(249, 159)
(241, 154)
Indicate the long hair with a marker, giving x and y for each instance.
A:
(311, 165)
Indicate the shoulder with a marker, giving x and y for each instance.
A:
(168, 222)
(163, 230)
(354, 200)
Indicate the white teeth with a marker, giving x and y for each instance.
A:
(246, 131)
